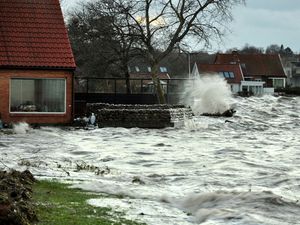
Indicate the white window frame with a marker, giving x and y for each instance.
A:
(31, 78)
(278, 78)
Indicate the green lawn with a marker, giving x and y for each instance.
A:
(56, 204)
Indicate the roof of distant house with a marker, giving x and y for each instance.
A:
(296, 64)
(254, 64)
(143, 75)
(225, 69)
(143, 71)
(33, 35)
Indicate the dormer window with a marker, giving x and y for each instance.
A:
(227, 74)
(163, 69)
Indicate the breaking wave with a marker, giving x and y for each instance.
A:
(240, 206)
(209, 94)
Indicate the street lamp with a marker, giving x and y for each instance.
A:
(187, 54)
(189, 63)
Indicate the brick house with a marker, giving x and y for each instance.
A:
(233, 74)
(266, 68)
(249, 73)
(143, 71)
(36, 63)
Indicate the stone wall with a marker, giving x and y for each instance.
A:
(143, 116)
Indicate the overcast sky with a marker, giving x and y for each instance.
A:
(265, 22)
(259, 23)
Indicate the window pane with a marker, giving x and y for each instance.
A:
(278, 83)
(37, 95)
(231, 74)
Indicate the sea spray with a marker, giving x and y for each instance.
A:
(209, 94)
(21, 128)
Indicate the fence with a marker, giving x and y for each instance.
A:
(113, 90)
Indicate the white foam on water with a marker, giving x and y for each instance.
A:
(257, 149)
(21, 128)
(193, 125)
(145, 210)
(207, 206)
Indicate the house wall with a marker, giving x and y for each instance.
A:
(255, 87)
(295, 81)
(40, 118)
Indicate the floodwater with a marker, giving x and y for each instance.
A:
(209, 171)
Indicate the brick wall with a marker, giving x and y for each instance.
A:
(7, 117)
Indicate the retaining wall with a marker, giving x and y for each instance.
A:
(143, 116)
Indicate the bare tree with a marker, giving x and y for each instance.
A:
(106, 34)
(276, 49)
(161, 25)
(122, 33)
(91, 38)
(249, 49)
(273, 49)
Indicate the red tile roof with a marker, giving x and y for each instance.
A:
(254, 64)
(33, 34)
(216, 68)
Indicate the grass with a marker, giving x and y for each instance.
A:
(56, 204)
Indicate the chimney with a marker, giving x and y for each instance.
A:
(235, 57)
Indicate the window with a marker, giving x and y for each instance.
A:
(163, 69)
(278, 83)
(227, 74)
(149, 69)
(38, 95)
(137, 69)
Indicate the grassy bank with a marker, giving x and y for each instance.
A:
(58, 204)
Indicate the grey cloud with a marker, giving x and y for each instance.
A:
(274, 5)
